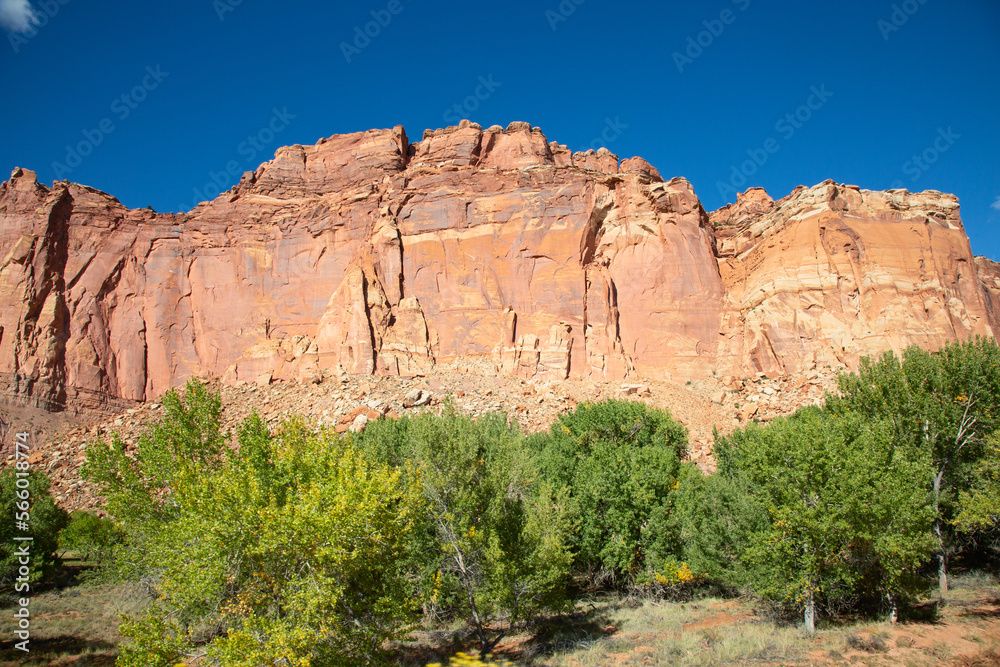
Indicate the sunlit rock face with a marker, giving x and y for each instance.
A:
(372, 254)
(832, 273)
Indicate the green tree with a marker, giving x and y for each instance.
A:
(498, 543)
(141, 484)
(842, 503)
(719, 516)
(91, 536)
(943, 403)
(28, 500)
(621, 461)
(284, 548)
(980, 505)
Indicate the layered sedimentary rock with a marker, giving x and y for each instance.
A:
(372, 254)
(832, 273)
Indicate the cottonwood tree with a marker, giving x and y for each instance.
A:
(284, 549)
(842, 504)
(943, 404)
(498, 549)
(621, 461)
(980, 504)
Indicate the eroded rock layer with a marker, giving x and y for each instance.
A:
(372, 254)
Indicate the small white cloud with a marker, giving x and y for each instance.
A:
(17, 15)
(996, 204)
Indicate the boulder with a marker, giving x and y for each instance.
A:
(416, 398)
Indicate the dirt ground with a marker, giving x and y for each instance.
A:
(76, 625)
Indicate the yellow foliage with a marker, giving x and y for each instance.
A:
(467, 660)
(673, 574)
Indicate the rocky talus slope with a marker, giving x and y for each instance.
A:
(348, 402)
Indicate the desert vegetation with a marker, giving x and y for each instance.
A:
(425, 536)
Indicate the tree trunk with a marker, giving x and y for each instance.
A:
(893, 609)
(809, 614)
(465, 580)
(942, 554)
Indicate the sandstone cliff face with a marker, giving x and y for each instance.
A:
(832, 273)
(376, 255)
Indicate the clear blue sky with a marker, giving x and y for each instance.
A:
(923, 83)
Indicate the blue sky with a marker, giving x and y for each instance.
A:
(172, 101)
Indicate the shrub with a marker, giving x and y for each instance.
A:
(91, 536)
(665, 580)
(719, 516)
(466, 660)
(497, 550)
(620, 461)
(284, 549)
(45, 520)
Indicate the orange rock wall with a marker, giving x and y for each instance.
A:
(378, 255)
(832, 273)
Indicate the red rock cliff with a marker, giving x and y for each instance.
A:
(382, 256)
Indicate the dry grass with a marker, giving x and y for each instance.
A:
(73, 625)
(964, 630)
(77, 625)
(706, 632)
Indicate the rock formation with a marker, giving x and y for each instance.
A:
(831, 273)
(369, 254)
